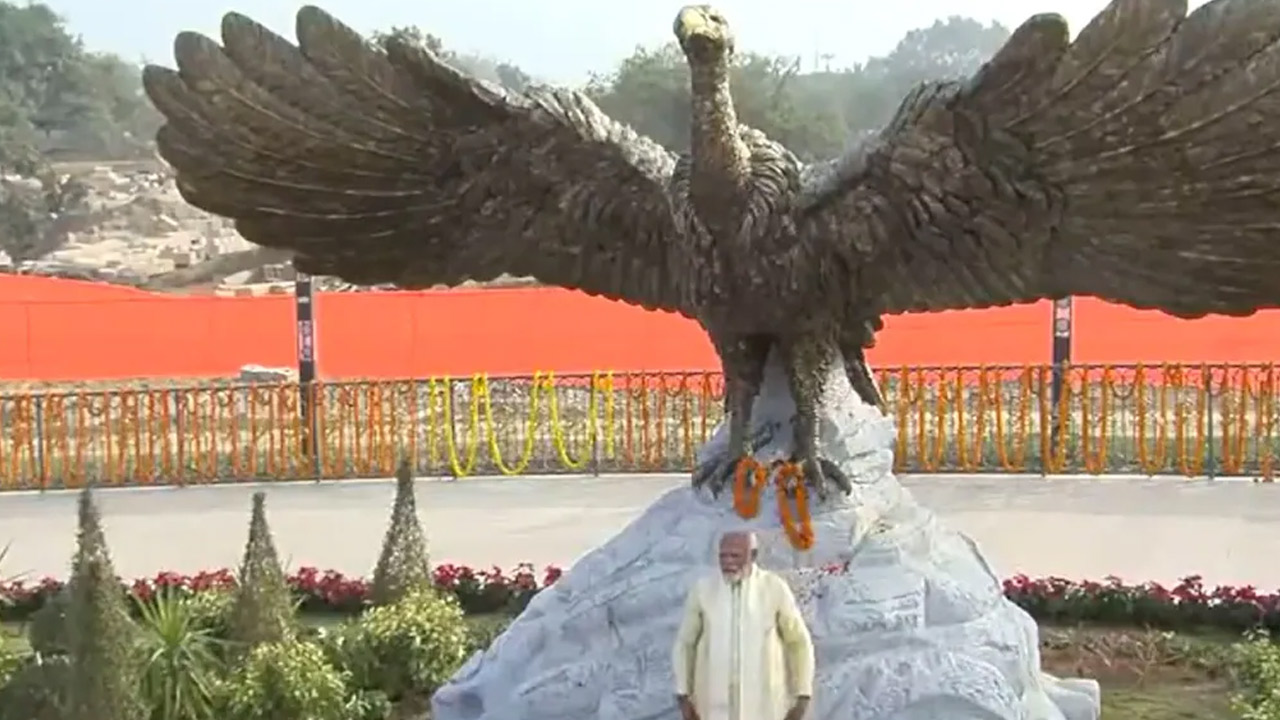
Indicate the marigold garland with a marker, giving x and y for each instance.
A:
(1095, 459)
(443, 389)
(1178, 419)
(799, 529)
(559, 440)
(1151, 461)
(746, 500)
(530, 426)
(789, 480)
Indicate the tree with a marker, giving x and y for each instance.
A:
(54, 95)
(481, 66)
(103, 683)
(262, 611)
(947, 50)
(817, 114)
(403, 564)
(41, 67)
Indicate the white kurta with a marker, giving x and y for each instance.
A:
(742, 651)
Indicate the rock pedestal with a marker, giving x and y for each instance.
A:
(908, 620)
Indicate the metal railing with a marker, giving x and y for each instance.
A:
(1168, 419)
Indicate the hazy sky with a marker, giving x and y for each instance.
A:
(564, 40)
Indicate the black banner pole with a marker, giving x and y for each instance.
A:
(304, 312)
(1061, 359)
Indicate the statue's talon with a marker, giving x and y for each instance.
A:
(821, 473)
(715, 473)
(718, 471)
(835, 475)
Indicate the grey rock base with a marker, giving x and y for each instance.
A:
(908, 620)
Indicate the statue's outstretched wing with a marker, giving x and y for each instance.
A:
(392, 167)
(1139, 164)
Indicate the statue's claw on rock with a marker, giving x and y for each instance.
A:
(819, 473)
(717, 471)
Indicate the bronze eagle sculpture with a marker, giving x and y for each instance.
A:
(1139, 164)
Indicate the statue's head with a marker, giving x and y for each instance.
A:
(738, 550)
(703, 33)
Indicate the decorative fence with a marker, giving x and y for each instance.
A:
(1173, 419)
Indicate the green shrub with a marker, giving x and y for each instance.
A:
(289, 680)
(180, 661)
(263, 610)
(481, 632)
(47, 631)
(368, 705)
(36, 689)
(409, 648)
(1256, 664)
(103, 682)
(211, 611)
(11, 661)
(403, 564)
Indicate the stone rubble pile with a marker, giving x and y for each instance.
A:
(137, 227)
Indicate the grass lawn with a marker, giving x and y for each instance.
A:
(1145, 675)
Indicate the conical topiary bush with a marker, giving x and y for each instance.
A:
(404, 564)
(102, 681)
(263, 610)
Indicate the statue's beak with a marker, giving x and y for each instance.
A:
(691, 22)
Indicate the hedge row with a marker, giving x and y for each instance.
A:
(1188, 604)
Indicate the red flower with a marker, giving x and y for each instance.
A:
(490, 590)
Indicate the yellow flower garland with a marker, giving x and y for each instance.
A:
(557, 427)
(444, 389)
(530, 423)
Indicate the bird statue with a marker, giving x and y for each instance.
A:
(1139, 164)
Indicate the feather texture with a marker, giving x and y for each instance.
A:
(1139, 164)
(392, 167)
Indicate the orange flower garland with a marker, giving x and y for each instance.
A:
(746, 500)
(799, 528)
(747, 492)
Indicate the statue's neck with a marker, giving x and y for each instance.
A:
(719, 156)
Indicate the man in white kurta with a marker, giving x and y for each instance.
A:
(742, 651)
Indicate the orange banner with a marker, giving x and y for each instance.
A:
(56, 329)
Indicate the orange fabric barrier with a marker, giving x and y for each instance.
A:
(56, 329)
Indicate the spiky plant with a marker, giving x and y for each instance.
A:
(103, 677)
(404, 564)
(263, 610)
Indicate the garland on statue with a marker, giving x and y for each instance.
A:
(789, 480)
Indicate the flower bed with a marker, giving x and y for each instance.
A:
(1189, 604)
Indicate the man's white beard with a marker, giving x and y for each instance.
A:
(733, 578)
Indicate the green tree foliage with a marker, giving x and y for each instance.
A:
(58, 101)
(263, 608)
(61, 100)
(403, 564)
(815, 114)
(103, 682)
(481, 66)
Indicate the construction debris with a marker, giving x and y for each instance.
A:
(137, 230)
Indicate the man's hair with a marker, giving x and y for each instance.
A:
(753, 542)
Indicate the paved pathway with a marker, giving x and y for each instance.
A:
(1077, 527)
